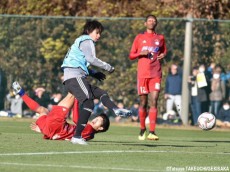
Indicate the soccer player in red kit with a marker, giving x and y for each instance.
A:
(53, 125)
(149, 48)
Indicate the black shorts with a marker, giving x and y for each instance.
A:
(83, 90)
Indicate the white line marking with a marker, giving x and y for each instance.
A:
(74, 166)
(108, 151)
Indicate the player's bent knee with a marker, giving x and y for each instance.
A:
(88, 105)
(104, 95)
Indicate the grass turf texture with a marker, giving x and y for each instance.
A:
(22, 150)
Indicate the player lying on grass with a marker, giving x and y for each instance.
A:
(53, 125)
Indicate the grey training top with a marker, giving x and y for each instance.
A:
(88, 48)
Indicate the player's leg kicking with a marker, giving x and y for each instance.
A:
(86, 93)
(33, 105)
(67, 102)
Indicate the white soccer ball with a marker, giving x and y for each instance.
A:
(206, 121)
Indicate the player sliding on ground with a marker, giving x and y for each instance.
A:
(53, 125)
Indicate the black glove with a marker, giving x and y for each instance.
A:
(111, 70)
(99, 76)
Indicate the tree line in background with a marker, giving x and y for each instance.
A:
(210, 9)
(32, 48)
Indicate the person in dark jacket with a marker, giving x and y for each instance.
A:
(223, 117)
(173, 90)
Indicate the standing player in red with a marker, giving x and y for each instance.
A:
(149, 48)
(53, 125)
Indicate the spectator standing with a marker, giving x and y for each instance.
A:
(218, 90)
(195, 98)
(225, 76)
(203, 84)
(210, 70)
(149, 48)
(15, 104)
(173, 90)
(3, 86)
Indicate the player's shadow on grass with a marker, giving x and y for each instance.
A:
(141, 144)
(151, 145)
(211, 141)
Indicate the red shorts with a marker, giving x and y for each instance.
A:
(147, 85)
(54, 121)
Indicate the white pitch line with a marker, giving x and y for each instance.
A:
(75, 166)
(108, 151)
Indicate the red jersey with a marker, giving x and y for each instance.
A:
(154, 43)
(55, 127)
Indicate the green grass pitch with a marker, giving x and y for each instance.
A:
(178, 149)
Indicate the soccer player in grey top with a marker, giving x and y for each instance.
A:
(75, 66)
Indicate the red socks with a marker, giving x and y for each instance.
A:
(142, 117)
(75, 111)
(33, 105)
(152, 119)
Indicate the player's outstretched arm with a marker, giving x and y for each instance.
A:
(98, 75)
(88, 49)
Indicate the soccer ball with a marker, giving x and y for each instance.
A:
(206, 121)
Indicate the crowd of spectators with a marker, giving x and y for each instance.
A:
(16, 107)
(209, 92)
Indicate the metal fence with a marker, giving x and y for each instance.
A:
(32, 48)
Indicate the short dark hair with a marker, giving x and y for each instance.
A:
(195, 68)
(150, 15)
(106, 122)
(90, 26)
